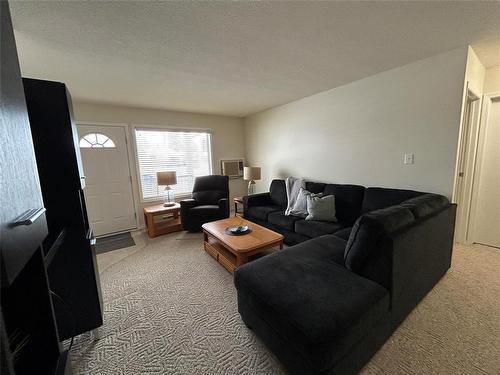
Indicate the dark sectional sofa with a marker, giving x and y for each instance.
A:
(327, 304)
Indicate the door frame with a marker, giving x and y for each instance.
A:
(485, 118)
(131, 169)
(467, 148)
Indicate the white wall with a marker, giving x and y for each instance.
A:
(227, 136)
(492, 80)
(474, 72)
(358, 133)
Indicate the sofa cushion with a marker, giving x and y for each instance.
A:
(321, 208)
(348, 199)
(326, 247)
(291, 238)
(300, 207)
(317, 306)
(261, 212)
(376, 198)
(283, 221)
(277, 191)
(315, 187)
(260, 199)
(425, 205)
(363, 245)
(199, 215)
(312, 228)
(343, 233)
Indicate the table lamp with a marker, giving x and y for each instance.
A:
(166, 179)
(251, 174)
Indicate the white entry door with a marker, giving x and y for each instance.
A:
(108, 191)
(487, 225)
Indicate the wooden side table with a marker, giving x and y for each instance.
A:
(171, 219)
(237, 200)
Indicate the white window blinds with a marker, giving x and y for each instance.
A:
(185, 152)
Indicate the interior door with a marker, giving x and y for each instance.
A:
(108, 191)
(465, 166)
(487, 225)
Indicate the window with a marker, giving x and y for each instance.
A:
(185, 152)
(96, 140)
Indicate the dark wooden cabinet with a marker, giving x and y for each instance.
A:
(20, 186)
(28, 335)
(70, 254)
(49, 282)
(57, 155)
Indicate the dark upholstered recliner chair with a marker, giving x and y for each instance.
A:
(210, 202)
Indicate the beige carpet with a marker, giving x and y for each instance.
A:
(171, 309)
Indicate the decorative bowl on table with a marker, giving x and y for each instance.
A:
(237, 230)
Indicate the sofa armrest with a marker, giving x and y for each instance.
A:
(261, 199)
(224, 206)
(420, 256)
(187, 204)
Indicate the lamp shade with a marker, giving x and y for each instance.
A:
(166, 178)
(251, 173)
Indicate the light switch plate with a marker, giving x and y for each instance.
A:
(409, 159)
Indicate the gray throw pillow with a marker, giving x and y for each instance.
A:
(300, 207)
(321, 208)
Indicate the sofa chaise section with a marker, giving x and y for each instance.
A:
(326, 305)
(304, 300)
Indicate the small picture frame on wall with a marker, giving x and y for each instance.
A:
(233, 168)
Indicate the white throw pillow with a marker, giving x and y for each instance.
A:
(300, 207)
(321, 208)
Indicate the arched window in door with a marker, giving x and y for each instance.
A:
(96, 140)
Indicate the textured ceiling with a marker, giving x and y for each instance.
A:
(236, 58)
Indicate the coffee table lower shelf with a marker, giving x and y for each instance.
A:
(226, 258)
(222, 255)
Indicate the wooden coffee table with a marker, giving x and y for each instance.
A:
(233, 251)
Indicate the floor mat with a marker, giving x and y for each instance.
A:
(117, 241)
